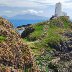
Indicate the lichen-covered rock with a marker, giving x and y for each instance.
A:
(13, 51)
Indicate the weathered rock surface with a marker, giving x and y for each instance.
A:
(64, 53)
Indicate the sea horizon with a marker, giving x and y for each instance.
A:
(17, 22)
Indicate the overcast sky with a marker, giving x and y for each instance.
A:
(37, 7)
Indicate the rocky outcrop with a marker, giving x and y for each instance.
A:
(63, 46)
(27, 31)
(14, 52)
(63, 51)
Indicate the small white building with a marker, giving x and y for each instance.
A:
(64, 14)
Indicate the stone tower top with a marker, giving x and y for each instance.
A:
(58, 9)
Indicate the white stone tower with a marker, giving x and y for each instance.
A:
(58, 9)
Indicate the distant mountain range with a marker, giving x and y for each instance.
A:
(25, 19)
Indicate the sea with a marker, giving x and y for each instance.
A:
(24, 22)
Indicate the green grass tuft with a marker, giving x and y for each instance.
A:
(2, 38)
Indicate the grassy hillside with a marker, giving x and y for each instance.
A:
(49, 32)
(47, 38)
